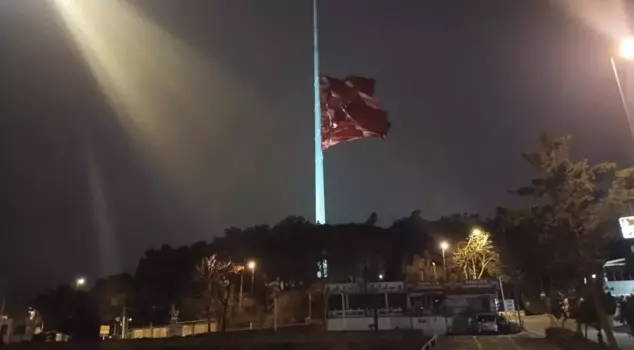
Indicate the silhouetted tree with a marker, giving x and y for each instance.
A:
(216, 275)
(371, 221)
(582, 202)
(423, 269)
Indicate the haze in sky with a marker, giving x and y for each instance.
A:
(169, 121)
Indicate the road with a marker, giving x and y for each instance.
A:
(537, 325)
(493, 342)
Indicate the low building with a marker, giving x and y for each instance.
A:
(14, 330)
(618, 280)
(6, 329)
(180, 329)
(436, 308)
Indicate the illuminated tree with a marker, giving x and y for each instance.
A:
(476, 256)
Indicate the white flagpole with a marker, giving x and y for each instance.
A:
(320, 197)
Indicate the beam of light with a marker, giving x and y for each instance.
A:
(609, 17)
(167, 97)
(108, 254)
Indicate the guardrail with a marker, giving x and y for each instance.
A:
(430, 343)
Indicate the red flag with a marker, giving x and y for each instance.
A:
(349, 111)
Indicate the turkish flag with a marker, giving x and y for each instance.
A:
(349, 111)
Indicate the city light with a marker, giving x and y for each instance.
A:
(444, 245)
(476, 231)
(251, 265)
(381, 277)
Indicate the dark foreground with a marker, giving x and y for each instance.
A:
(294, 339)
(500, 342)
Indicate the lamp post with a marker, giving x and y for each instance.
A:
(241, 286)
(79, 282)
(444, 245)
(251, 266)
(626, 53)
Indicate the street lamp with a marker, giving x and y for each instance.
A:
(381, 276)
(444, 245)
(251, 266)
(476, 232)
(79, 282)
(626, 53)
(626, 48)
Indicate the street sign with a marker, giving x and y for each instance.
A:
(627, 226)
(104, 330)
(509, 305)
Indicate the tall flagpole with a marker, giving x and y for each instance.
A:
(320, 197)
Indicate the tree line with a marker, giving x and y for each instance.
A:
(567, 226)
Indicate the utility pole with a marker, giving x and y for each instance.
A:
(275, 312)
(241, 284)
(310, 306)
(2, 306)
(124, 323)
(502, 292)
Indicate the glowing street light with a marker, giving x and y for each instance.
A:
(476, 232)
(251, 266)
(79, 282)
(444, 245)
(626, 48)
(381, 276)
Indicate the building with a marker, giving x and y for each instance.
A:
(618, 276)
(618, 279)
(6, 329)
(16, 330)
(180, 329)
(437, 308)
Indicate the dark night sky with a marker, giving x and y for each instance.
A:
(469, 85)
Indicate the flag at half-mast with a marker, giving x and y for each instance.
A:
(349, 110)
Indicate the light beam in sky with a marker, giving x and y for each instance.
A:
(109, 257)
(609, 17)
(167, 97)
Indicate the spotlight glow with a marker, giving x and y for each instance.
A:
(174, 104)
(607, 17)
(626, 48)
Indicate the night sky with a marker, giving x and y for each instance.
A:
(469, 85)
